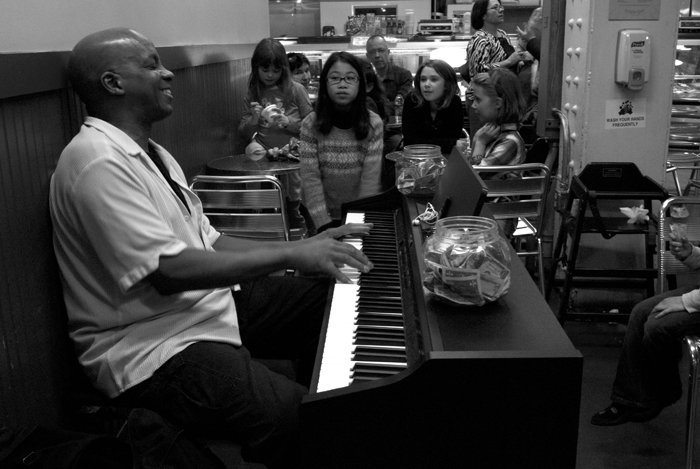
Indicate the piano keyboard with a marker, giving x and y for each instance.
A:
(365, 334)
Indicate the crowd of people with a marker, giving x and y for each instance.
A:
(343, 140)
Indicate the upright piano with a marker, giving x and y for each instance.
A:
(402, 381)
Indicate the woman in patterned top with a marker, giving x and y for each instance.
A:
(488, 48)
(341, 143)
(499, 103)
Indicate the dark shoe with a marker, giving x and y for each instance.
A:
(617, 414)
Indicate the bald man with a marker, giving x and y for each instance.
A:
(396, 80)
(147, 281)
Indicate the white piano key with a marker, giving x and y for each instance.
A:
(356, 241)
(337, 350)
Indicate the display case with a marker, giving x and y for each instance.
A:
(407, 54)
(687, 69)
(684, 135)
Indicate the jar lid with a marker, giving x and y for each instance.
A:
(421, 151)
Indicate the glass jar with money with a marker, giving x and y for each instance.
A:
(419, 169)
(467, 261)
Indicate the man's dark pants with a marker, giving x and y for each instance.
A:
(217, 390)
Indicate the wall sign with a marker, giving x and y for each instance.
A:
(625, 114)
(634, 9)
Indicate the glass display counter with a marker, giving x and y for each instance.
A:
(407, 54)
(686, 84)
(684, 135)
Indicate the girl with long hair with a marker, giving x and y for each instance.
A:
(274, 107)
(341, 142)
(433, 113)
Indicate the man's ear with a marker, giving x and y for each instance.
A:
(370, 87)
(111, 81)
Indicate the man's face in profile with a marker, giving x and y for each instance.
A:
(146, 81)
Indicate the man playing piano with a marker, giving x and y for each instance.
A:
(147, 280)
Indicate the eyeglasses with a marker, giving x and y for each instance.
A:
(350, 80)
(497, 8)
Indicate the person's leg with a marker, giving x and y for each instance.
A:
(280, 317)
(650, 353)
(291, 183)
(647, 376)
(217, 390)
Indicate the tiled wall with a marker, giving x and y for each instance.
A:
(34, 128)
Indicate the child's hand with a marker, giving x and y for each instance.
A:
(487, 133)
(680, 247)
(255, 109)
(282, 121)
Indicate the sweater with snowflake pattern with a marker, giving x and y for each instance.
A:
(337, 168)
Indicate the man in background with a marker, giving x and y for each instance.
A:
(396, 81)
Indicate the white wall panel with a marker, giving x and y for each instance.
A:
(56, 25)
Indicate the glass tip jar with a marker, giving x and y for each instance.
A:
(467, 261)
(419, 169)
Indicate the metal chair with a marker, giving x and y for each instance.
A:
(683, 156)
(244, 206)
(524, 198)
(670, 266)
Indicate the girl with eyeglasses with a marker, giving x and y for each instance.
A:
(341, 143)
(488, 48)
(433, 113)
(286, 104)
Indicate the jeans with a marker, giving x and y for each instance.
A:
(647, 372)
(219, 391)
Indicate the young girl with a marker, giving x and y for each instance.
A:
(499, 102)
(270, 86)
(299, 66)
(434, 114)
(341, 142)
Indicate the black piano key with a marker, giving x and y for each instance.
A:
(369, 376)
(369, 288)
(379, 321)
(375, 300)
(378, 338)
(383, 368)
(368, 354)
(369, 305)
(362, 379)
(378, 313)
(378, 357)
(376, 329)
(397, 341)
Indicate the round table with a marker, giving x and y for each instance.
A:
(239, 165)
